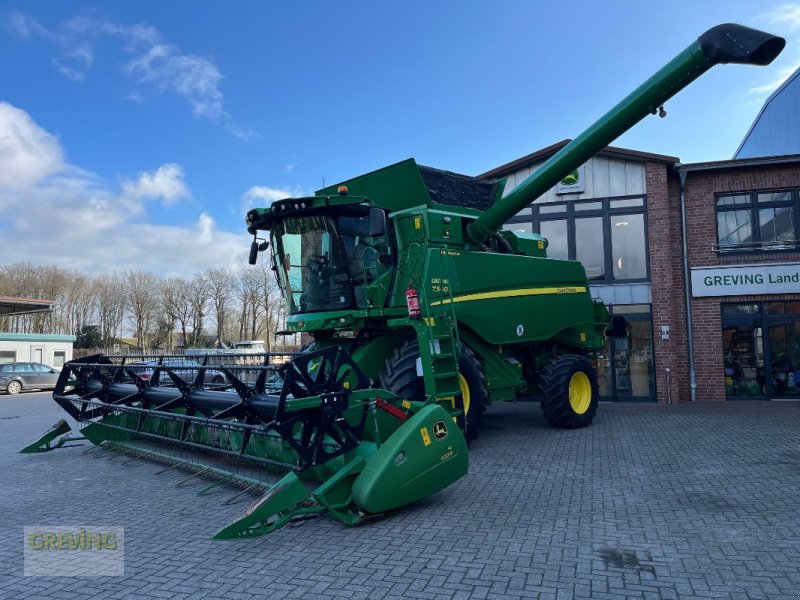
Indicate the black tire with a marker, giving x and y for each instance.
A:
(218, 380)
(562, 375)
(13, 387)
(400, 377)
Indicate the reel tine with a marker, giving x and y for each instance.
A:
(200, 472)
(207, 489)
(231, 500)
(169, 468)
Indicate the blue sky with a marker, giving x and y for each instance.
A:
(134, 135)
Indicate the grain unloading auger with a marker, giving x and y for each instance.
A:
(422, 313)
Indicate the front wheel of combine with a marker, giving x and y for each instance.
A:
(569, 392)
(400, 377)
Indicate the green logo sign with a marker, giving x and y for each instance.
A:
(571, 179)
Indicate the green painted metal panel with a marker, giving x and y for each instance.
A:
(395, 187)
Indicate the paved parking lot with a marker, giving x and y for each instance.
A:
(689, 501)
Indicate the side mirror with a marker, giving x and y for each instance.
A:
(377, 222)
(255, 248)
(617, 328)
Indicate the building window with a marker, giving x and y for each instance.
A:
(758, 221)
(8, 356)
(761, 349)
(59, 358)
(607, 236)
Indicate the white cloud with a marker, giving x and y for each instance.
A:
(786, 13)
(52, 212)
(28, 153)
(196, 79)
(165, 183)
(768, 88)
(155, 65)
(262, 195)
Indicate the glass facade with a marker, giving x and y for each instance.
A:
(608, 236)
(761, 349)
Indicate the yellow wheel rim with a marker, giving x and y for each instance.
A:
(462, 382)
(580, 392)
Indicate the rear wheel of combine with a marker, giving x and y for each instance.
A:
(569, 392)
(13, 387)
(400, 377)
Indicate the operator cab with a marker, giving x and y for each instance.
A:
(324, 259)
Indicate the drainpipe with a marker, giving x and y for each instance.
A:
(687, 288)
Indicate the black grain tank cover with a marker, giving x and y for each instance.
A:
(454, 189)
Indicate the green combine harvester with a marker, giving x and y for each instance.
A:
(422, 313)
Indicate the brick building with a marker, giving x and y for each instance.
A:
(623, 220)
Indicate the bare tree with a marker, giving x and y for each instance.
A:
(271, 302)
(142, 300)
(110, 295)
(199, 299)
(176, 302)
(248, 292)
(221, 287)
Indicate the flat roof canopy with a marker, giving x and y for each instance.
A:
(10, 305)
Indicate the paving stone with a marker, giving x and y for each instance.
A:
(650, 502)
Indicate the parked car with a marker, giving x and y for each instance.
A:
(18, 376)
(183, 368)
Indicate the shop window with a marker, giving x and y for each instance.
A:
(761, 349)
(607, 236)
(743, 357)
(758, 222)
(629, 259)
(8, 356)
(589, 246)
(557, 241)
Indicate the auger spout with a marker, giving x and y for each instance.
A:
(724, 44)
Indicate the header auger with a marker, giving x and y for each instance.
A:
(422, 314)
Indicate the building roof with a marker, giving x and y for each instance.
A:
(10, 305)
(775, 129)
(544, 153)
(36, 337)
(739, 163)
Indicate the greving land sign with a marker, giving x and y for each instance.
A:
(745, 280)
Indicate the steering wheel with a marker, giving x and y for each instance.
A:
(318, 263)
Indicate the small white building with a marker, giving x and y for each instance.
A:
(52, 350)
(49, 349)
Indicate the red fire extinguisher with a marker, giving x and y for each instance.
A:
(412, 301)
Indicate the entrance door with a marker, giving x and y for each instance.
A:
(625, 369)
(37, 354)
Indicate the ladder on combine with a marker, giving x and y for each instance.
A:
(440, 346)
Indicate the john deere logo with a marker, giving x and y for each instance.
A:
(571, 179)
(439, 430)
(301, 324)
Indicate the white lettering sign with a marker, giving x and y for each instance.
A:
(746, 280)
